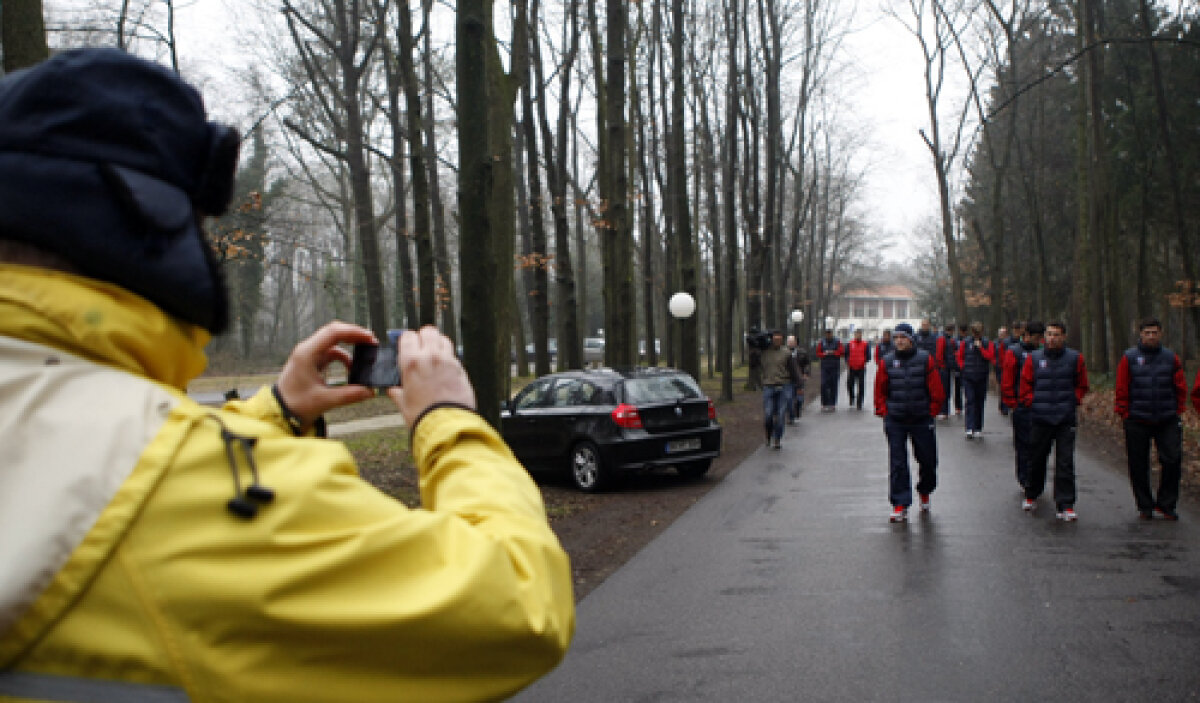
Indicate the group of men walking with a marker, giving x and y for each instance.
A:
(1041, 383)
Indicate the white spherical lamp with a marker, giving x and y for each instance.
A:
(682, 305)
(797, 317)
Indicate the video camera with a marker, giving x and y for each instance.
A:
(758, 339)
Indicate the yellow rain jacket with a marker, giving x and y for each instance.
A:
(124, 577)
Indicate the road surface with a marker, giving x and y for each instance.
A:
(787, 583)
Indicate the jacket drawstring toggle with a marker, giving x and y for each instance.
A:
(244, 505)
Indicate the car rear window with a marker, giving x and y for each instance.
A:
(661, 389)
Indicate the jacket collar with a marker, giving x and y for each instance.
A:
(99, 321)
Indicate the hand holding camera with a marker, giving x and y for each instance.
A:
(432, 375)
(302, 384)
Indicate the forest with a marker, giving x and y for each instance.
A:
(536, 172)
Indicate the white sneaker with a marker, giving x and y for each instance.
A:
(924, 502)
(899, 514)
(1067, 515)
(1028, 505)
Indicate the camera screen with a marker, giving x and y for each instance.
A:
(374, 366)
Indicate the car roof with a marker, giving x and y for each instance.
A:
(610, 376)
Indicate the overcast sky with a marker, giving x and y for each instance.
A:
(884, 83)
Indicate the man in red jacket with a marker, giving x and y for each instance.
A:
(1151, 395)
(1196, 393)
(858, 353)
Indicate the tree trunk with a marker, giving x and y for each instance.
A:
(620, 348)
(648, 224)
(477, 261)
(570, 354)
(729, 185)
(23, 34)
(684, 238)
(1100, 211)
(501, 94)
(426, 266)
(523, 280)
(539, 260)
(405, 295)
(1184, 238)
(449, 323)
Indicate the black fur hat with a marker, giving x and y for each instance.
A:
(105, 160)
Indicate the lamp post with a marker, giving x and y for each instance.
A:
(797, 317)
(682, 306)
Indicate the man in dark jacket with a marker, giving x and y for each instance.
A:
(975, 355)
(930, 342)
(800, 358)
(830, 351)
(1053, 383)
(908, 395)
(1010, 381)
(947, 346)
(1151, 395)
(885, 346)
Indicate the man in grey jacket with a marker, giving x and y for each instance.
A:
(780, 377)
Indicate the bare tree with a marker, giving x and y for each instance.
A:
(570, 353)
(336, 57)
(933, 25)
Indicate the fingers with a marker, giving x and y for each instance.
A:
(336, 354)
(337, 396)
(331, 335)
(301, 382)
(431, 374)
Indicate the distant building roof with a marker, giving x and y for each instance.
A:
(889, 291)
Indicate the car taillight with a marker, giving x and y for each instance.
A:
(626, 416)
(712, 410)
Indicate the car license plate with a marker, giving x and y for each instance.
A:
(683, 445)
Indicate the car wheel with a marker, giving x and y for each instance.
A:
(587, 468)
(694, 469)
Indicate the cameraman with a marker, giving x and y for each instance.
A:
(781, 377)
(155, 549)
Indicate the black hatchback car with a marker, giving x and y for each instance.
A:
(602, 423)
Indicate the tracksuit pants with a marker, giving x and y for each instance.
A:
(829, 385)
(795, 405)
(856, 377)
(949, 377)
(1061, 437)
(924, 443)
(976, 391)
(1004, 409)
(775, 400)
(1168, 438)
(1022, 425)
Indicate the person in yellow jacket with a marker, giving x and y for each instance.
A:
(152, 549)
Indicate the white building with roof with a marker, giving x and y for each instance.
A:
(872, 310)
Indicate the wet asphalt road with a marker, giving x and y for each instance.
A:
(787, 583)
